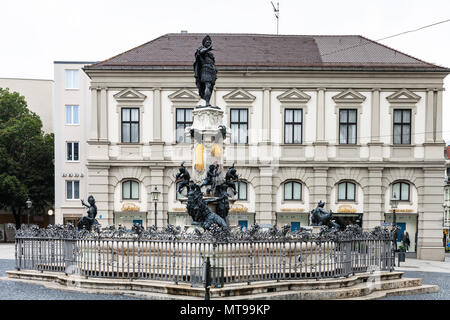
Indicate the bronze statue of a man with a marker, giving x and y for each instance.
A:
(205, 70)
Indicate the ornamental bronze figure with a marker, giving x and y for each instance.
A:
(88, 221)
(205, 70)
(320, 217)
(185, 176)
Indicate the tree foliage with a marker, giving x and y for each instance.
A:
(26, 157)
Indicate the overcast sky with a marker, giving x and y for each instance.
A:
(34, 33)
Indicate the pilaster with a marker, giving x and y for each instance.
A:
(429, 240)
(264, 205)
(429, 117)
(373, 194)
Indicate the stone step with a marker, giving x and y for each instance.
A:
(361, 286)
(426, 288)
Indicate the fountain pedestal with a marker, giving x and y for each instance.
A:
(208, 133)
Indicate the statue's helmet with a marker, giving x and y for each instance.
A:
(206, 39)
(321, 204)
(91, 199)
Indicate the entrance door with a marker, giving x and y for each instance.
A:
(295, 226)
(402, 226)
(137, 221)
(243, 224)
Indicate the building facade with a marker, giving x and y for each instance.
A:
(446, 204)
(70, 109)
(340, 119)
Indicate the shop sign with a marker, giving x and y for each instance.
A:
(238, 208)
(129, 206)
(346, 208)
(179, 209)
(402, 210)
(292, 210)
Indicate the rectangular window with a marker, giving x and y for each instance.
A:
(402, 126)
(72, 116)
(293, 126)
(72, 79)
(72, 189)
(130, 125)
(239, 125)
(346, 191)
(184, 120)
(72, 151)
(347, 126)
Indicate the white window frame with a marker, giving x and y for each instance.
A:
(73, 190)
(74, 80)
(71, 114)
(131, 190)
(73, 151)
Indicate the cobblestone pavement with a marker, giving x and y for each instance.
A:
(17, 290)
(437, 278)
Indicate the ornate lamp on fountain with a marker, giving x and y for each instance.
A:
(155, 195)
(394, 205)
(29, 203)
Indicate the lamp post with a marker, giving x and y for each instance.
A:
(29, 203)
(155, 194)
(394, 204)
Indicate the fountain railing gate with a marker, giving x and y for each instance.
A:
(179, 257)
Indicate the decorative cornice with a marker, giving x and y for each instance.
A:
(239, 95)
(293, 96)
(349, 96)
(129, 95)
(184, 95)
(403, 96)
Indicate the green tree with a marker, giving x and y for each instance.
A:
(26, 157)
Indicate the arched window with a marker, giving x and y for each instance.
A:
(241, 189)
(130, 190)
(292, 190)
(346, 191)
(400, 191)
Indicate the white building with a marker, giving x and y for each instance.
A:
(335, 118)
(71, 108)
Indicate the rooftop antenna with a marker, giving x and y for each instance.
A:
(277, 12)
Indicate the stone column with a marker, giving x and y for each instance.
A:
(103, 115)
(93, 131)
(266, 116)
(373, 195)
(156, 144)
(157, 114)
(438, 117)
(429, 117)
(375, 145)
(320, 120)
(320, 146)
(265, 210)
(429, 240)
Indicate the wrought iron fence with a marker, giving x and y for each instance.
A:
(237, 259)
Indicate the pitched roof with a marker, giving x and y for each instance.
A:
(175, 51)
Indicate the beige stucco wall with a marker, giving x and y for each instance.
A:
(38, 94)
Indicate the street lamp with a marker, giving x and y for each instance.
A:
(155, 194)
(394, 205)
(29, 203)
